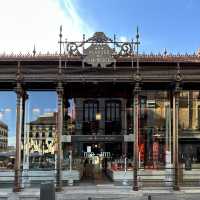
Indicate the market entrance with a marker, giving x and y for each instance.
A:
(97, 161)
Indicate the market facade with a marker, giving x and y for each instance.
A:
(136, 117)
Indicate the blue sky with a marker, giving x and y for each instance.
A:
(170, 24)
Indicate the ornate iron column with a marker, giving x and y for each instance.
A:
(19, 130)
(136, 135)
(176, 95)
(168, 139)
(25, 133)
(60, 92)
(137, 79)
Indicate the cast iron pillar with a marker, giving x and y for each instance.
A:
(136, 135)
(60, 92)
(176, 96)
(21, 96)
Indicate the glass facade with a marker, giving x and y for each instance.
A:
(189, 140)
(104, 144)
(153, 128)
(189, 129)
(7, 131)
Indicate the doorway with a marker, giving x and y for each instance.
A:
(95, 163)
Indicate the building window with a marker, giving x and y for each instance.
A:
(37, 135)
(30, 134)
(113, 117)
(50, 134)
(90, 110)
(113, 110)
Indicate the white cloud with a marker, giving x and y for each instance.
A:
(123, 39)
(35, 110)
(7, 110)
(1, 115)
(25, 22)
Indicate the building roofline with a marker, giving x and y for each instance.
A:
(3, 124)
(128, 58)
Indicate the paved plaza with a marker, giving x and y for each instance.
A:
(103, 192)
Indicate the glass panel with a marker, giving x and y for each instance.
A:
(155, 137)
(113, 111)
(189, 140)
(39, 142)
(113, 118)
(117, 112)
(86, 113)
(108, 112)
(71, 118)
(7, 137)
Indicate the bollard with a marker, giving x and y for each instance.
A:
(47, 191)
(70, 182)
(149, 197)
(89, 198)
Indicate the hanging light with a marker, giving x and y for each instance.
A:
(98, 116)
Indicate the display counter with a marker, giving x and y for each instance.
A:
(116, 170)
(117, 175)
(41, 175)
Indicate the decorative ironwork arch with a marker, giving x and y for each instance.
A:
(99, 50)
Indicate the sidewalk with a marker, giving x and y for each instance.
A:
(105, 192)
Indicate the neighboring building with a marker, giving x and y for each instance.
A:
(42, 133)
(3, 136)
(11, 148)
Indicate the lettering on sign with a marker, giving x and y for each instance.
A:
(99, 54)
(92, 154)
(88, 154)
(105, 154)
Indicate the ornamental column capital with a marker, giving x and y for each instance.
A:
(137, 77)
(137, 88)
(19, 90)
(178, 80)
(60, 89)
(177, 87)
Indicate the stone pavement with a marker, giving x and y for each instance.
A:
(105, 193)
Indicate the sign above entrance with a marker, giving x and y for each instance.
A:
(97, 138)
(92, 154)
(98, 50)
(99, 55)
